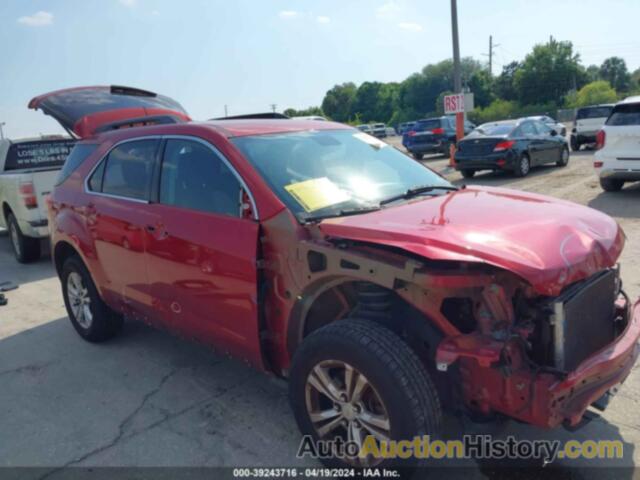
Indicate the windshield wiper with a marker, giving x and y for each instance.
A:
(415, 191)
(343, 212)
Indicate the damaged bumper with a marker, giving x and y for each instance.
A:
(497, 376)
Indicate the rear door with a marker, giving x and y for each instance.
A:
(623, 133)
(85, 111)
(117, 213)
(549, 145)
(202, 253)
(536, 147)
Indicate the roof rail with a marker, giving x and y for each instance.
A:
(258, 116)
(140, 122)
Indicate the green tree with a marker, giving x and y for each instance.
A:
(338, 101)
(593, 73)
(614, 70)
(387, 102)
(548, 73)
(505, 82)
(366, 101)
(481, 85)
(594, 93)
(306, 112)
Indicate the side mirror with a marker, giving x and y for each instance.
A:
(553, 133)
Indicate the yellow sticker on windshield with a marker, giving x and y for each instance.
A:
(317, 193)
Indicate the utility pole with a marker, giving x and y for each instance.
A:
(2, 124)
(457, 81)
(491, 47)
(273, 107)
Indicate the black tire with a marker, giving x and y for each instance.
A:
(564, 157)
(523, 166)
(390, 367)
(104, 323)
(575, 146)
(611, 184)
(26, 249)
(417, 156)
(468, 173)
(446, 151)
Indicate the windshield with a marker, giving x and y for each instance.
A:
(424, 125)
(494, 129)
(330, 171)
(593, 112)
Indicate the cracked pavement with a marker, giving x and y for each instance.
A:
(150, 399)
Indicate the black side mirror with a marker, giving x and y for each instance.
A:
(553, 133)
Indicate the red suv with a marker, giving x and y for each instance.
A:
(319, 253)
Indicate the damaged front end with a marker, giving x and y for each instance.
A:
(545, 360)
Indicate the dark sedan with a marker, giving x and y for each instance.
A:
(513, 145)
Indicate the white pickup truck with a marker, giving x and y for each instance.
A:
(28, 172)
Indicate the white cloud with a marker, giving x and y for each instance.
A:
(38, 19)
(389, 9)
(288, 14)
(323, 19)
(129, 3)
(411, 27)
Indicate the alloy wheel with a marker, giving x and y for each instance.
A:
(341, 401)
(79, 300)
(524, 165)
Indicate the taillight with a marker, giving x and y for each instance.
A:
(601, 137)
(502, 146)
(437, 131)
(597, 164)
(411, 133)
(28, 193)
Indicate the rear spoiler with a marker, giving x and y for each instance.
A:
(256, 116)
(140, 122)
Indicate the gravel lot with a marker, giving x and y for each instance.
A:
(148, 399)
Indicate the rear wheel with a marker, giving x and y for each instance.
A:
(353, 379)
(468, 173)
(564, 157)
(26, 249)
(523, 166)
(90, 316)
(417, 156)
(611, 184)
(575, 145)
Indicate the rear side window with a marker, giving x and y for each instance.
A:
(129, 169)
(38, 154)
(625, 114)
(593, 112)
(194, 177)
(78, 154)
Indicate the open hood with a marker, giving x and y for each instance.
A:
(85, 111)
(548, 242)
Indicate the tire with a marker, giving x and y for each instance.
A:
(26, 249)
(564, 157)
(611, 184)
(417, 156)
(95, 321)
(446, 151)
(523, 166)
(575, 146)
(468, 173)
(392, 373)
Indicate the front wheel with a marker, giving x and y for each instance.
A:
(611, 184)
(468, 173)
(523, 166)
(90, 316)
(575, 146)
(564, 157)
(417, 156)
(26, 249)
(358, 381)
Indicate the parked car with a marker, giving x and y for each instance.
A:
(379, 130)
(405, 127)
(589, 120)
(617, 159)
(380, 290)
(430, 135)
(28, 171)
(560, 128)
(391, 132)
(365, 128)
(513, 145)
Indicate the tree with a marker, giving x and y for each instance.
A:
(504, 83)
(338, 101)
(614, 70)
(307, 112)
(593, 73)
(366, 101)
(548, 73)
(594, 93)
(387, 102)
(481, 85)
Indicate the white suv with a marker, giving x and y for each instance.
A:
(589, 120)
(618, 157)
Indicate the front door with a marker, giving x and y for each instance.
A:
(201, 253)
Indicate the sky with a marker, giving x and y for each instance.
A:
(249, 54)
